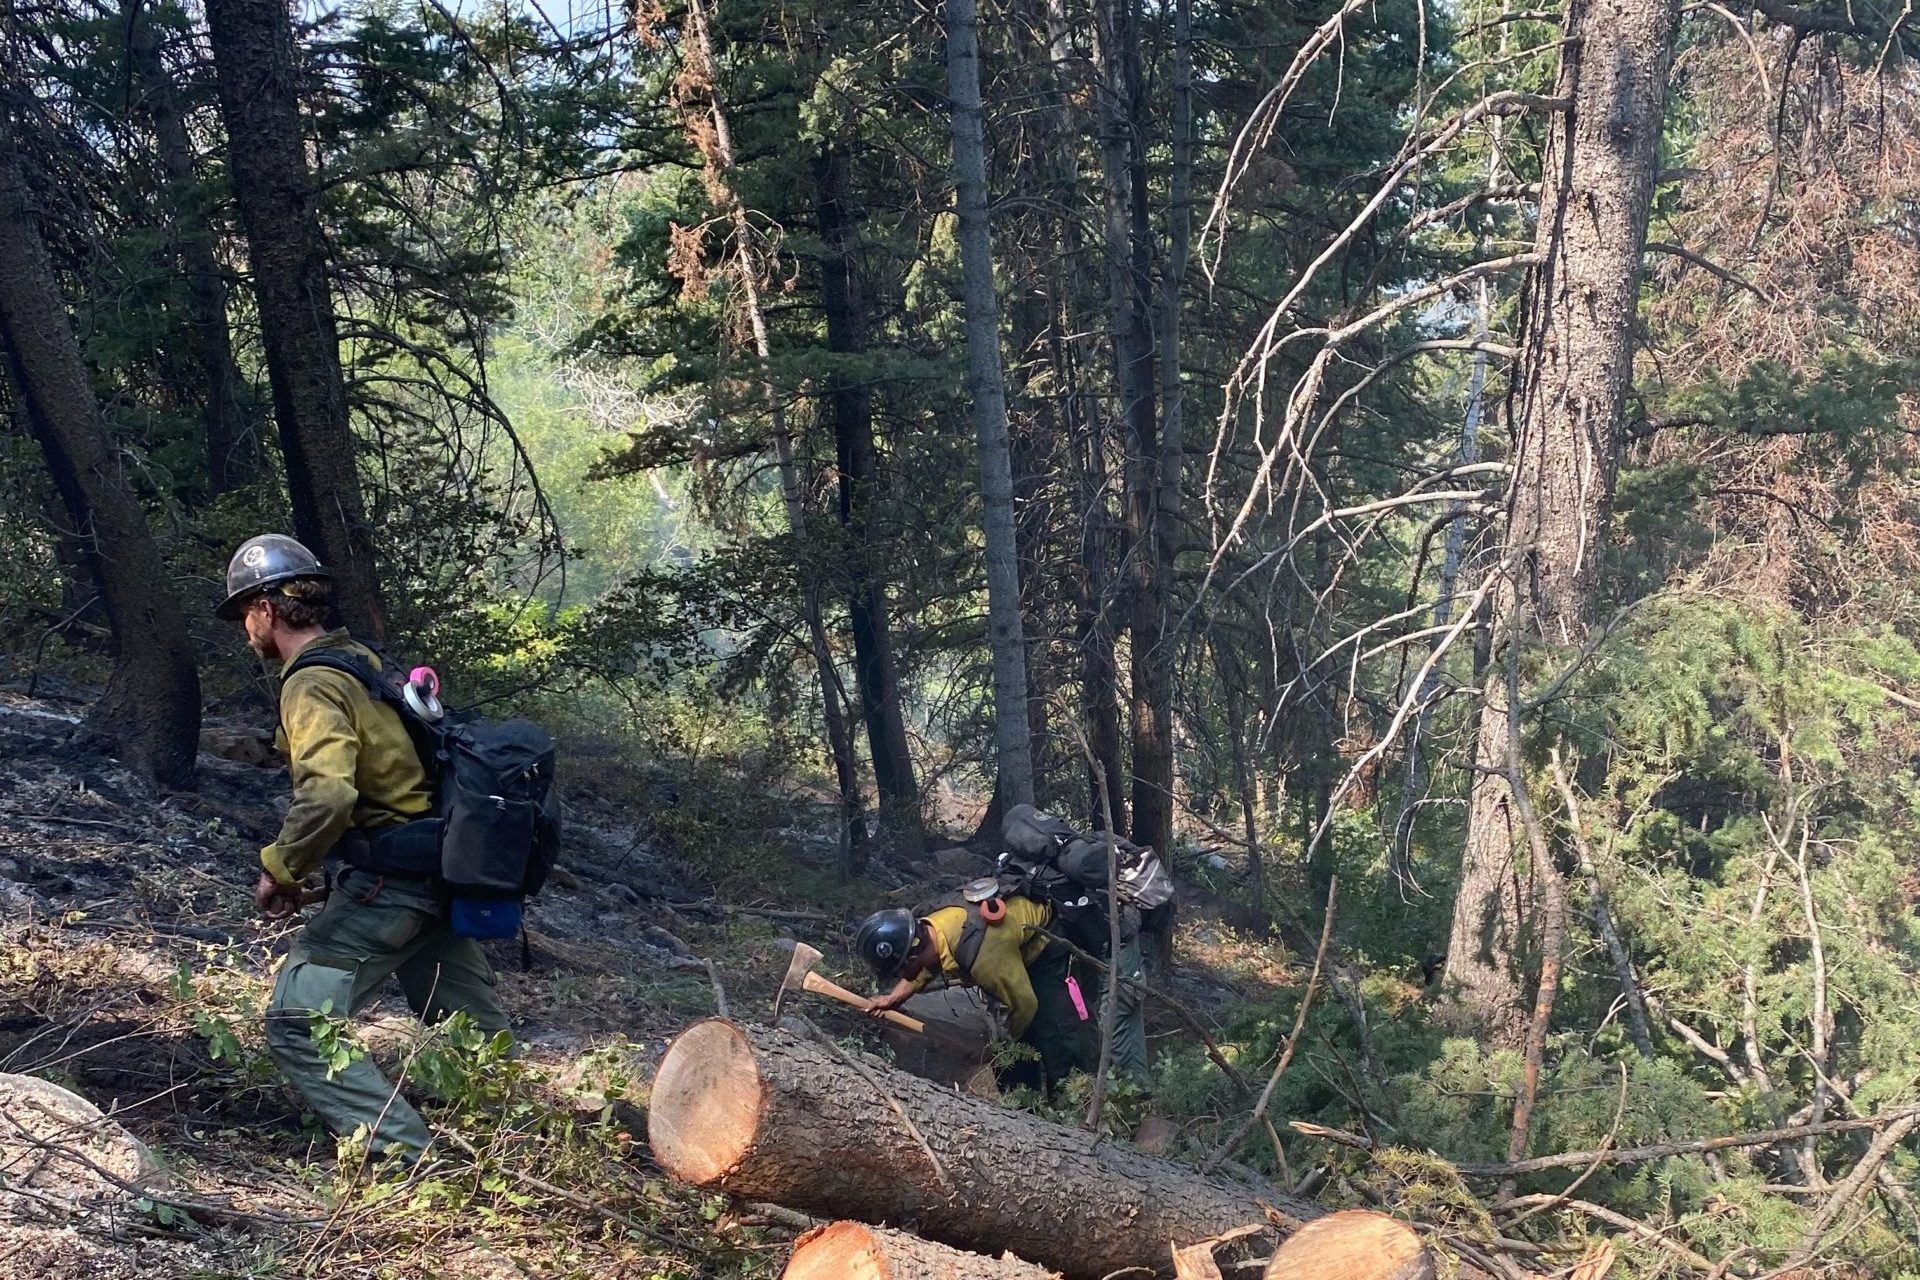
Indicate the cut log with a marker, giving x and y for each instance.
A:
(855, 1251)
(765, 1115)
(1352, 1245)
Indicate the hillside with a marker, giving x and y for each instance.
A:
(132, 969)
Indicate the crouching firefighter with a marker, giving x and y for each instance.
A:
(362, 798)
(1003, 945)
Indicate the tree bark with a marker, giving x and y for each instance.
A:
(152, 707)
(1086, 436)
(254, 62)
(987, 389)
(233, 450)
(1129, 251)
(850, 407)
(768, 1116)
(855, 1251)
(1571, 387)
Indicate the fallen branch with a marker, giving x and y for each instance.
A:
(719, 992)
(1631, 1155)
(573, 1198)
(203, 1208)
(1603, 916)
(1600, 1213)
(1845, 1194)
(1606, 1144)
(155, 928)
(1286, 1054)
(860, 1068)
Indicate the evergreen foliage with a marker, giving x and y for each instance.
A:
(573, 483)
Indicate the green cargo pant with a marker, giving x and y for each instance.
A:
(369, 930)
(1064, 1041)
(1056, 1031)
(1130, 1010)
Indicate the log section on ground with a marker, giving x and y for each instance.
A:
(766, 1115)
(855, 1251)
(1352, 1245)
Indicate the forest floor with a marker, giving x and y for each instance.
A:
(133, 969)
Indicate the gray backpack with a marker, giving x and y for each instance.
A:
(1042, 841)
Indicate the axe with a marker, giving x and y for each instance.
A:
(801, 977)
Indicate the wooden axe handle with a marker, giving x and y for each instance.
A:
(821, 986)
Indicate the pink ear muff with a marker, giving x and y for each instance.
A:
(993, 910)
(422, 692)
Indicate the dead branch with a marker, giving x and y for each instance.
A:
(1600, 1213)
(1606, 1144)
(1292, 1042)
(1631, 1155)
(1822, 1018)
(1750, 982)
(561, 1193)
(1602, 916)
(1553, 909)
(1709, 266)
(1179, 1010)
(860, 1069)
(1845, 1194)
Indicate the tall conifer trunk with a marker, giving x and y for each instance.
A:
(711, 129)
(233, 451)
(1576, 367)
(152, 707)
(254, 61)
(987, 391)
(850, 408)
(1128, 241)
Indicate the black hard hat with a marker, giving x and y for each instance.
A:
(262, 562)
(885, 939)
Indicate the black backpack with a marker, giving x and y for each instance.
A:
(495, 833)
(1068, 867)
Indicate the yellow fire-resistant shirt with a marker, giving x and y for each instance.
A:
(1000, 969)
(353, 764)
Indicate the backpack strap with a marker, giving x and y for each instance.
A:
(384, 683)
(966, 948)
(378, 680)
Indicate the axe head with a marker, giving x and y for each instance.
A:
(804, 959)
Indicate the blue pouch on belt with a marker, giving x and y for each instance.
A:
(483, 918)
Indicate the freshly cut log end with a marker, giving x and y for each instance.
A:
(1352, 1245)
(855, 1251)
(704, 1110)
(763, 1114)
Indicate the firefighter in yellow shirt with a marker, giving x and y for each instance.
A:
(361, 800)
(1008, 956)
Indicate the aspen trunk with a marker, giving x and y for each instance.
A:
(855, 1251)
(765, 1115)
